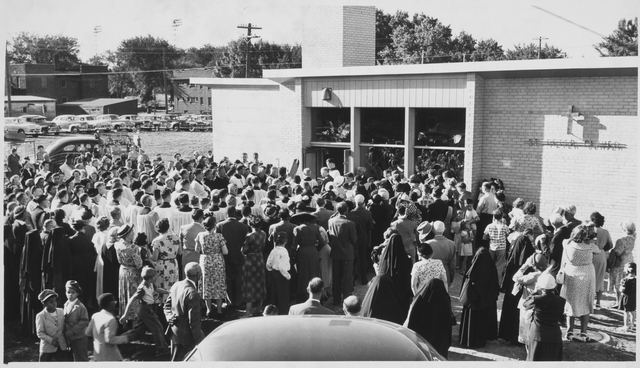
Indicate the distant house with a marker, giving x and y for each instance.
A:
(99, 106)
(189, 98)
(77, 83)
(30, 105)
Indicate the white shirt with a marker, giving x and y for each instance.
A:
(278, 260)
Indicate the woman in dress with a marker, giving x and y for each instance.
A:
(395, 263)
(381, 301)
(528, 221)
(427, 269)
(479, 294)
(306, 240)
(579, 288)
(212, 247)
(130, 265)
(604, 243)
(521, 250)
(165, 248)
(147, 218)
(254, 285)
(99, 241)
(430, 314)
(623, 249)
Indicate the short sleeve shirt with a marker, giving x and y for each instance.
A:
(497, 236)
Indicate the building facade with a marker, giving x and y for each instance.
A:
(189, 98)
(30, 105)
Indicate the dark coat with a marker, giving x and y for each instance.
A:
(311, 306)
(183, 302)
(381, 301)
(234, 233)
(342, 238)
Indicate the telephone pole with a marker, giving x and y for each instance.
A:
(164, 83)
(540, 44)
(8, 81)
(249, 27)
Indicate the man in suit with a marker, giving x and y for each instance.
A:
(343, 240)
(363, 228)
(182, 309)
(322, 213)
(437, 211)
(188, 235)
(444, 250)
(37, 214)
(234, 233)
(103, 327)
(312, 305)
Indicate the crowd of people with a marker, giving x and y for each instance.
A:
(156, 237)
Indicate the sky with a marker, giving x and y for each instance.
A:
(572, 25)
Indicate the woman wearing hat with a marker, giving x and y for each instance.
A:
(50, 328)
(130, 265)
(544, 342)
(306, 241)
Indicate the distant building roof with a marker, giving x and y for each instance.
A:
(28, 98)
(96, 102)
(186, 74)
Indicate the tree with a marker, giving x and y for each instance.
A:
(488, 50)
(421, 38)
(622, 42)
(143, 57)
(50, 49)
(195, 57)
(383, 31)
(463, 47)
(530, 51)
(263, 55)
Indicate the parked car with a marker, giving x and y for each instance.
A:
(117, 124)
(46, 127)
(95, 124)
(192, 123)
(113, 143)
(137, 120)
(313, 338)
(70, 124)
(154, 122)
(21, 125)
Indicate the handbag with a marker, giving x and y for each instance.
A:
(613, 261)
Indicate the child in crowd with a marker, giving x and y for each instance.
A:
(76, 320)
(278, 266)
(50, 327)
(466, 249)
(456, 229)
(517, 211)
(147, 318)
(628, 290)
(471, 217)
(270, 310)
(497, 233)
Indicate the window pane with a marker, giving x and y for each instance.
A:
(440, 127)
(382, 125)
(330, 124)
(378, 159)
(426, 159)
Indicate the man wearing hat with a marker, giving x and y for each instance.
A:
(103, 327)
(444, 250)
(424, 232)
(407, 230)
(50, 327)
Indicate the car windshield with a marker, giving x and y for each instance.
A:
(89, 118)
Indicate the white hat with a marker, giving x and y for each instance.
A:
(404, 197)
(546, 281)
(438, 227)
(339, 180)
(384, 194)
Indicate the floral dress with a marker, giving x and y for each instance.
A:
(579, 287)
(129, 278)
(428, 269)
(624, 248)
(214, 284)
(168, 245)
(254, 285)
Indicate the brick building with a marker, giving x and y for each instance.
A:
(555, 131)
(80, 82)
(189, 98)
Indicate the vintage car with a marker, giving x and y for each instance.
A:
(313, 338)
(114, 143)
(155, 122)
(95, 124)
(117, 124)
(70, 124)
(46, 127)
(138, 121)
(21, 125)
(193, 123)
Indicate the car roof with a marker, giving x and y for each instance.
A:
(313, 338)
(69, 140)
(32, 116)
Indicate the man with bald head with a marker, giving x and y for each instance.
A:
(183, 312)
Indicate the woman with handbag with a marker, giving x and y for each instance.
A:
(623, 250)
(604, 242)
(579, 287)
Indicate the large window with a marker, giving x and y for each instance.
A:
(426, 159)
(382, 126)
(330, 124)
(439, 139)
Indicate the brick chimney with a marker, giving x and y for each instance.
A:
(338, 36)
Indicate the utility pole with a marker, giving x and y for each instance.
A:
(8, 82)
(540, 44)
(96, 30)
(249, 27)
(164, 83)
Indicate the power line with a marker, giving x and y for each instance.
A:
(248, 38)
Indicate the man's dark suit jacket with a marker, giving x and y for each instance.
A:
(323, 216)
(184, 303)
(311, 306)
(37, 217)
(437, 211)
(343, 238)
(556, 248)
(234, 233)
(547, 313)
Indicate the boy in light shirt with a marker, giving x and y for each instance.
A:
(278, 266)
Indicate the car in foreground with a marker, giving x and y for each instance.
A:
(21, 125)
(94, 124)
(70, 124)
(46, 127)
(116, 123)
(313, 338)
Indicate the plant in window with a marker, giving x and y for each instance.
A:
(338, 132)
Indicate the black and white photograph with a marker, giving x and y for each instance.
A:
(339, 181)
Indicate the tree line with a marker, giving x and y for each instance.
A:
(139, 64)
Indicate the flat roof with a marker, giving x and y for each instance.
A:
(96, 102)
(28, 98)
(603, 66)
